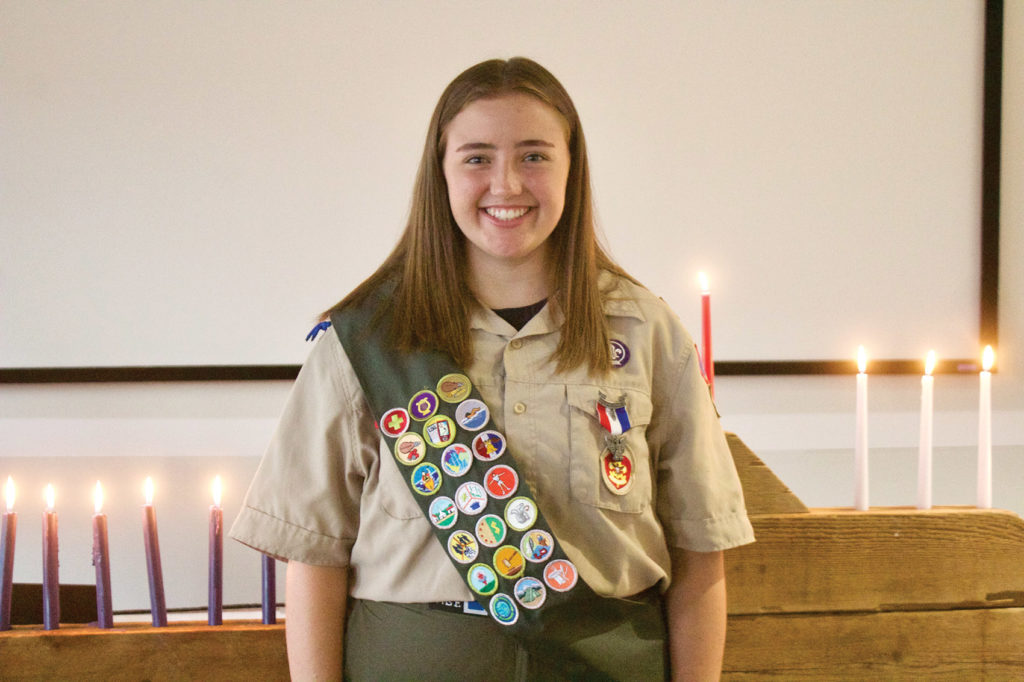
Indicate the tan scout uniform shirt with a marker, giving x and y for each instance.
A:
(328, 492)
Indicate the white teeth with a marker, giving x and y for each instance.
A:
(506, 213)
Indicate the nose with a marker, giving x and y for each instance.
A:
(505, 180)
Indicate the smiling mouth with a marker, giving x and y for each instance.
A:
(507, 213)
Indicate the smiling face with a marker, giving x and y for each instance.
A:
(506, 163)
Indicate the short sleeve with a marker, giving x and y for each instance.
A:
(304, 500)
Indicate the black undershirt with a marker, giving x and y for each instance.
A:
(518, 317)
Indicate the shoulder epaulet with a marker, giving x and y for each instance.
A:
(315, 331)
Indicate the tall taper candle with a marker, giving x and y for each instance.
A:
(860, 452)
(924, 455)
(985, 430)
(158, 608)
(215, 605)
(51, 567)
(705, 307)
(269, 590)
(101, 560)
(8, 531)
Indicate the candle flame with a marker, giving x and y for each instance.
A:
(49, 497)
(216, 491)
(9, 494)
(929, 363)
(147, 488)
(97, 498)
(988, 358)
(702, 278)
(862, 359)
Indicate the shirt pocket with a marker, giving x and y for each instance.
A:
(393, 494)
(588, 444)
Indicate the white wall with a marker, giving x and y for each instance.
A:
(182, 434)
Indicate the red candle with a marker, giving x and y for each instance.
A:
(8, 530)
(705, 308)
(51, 570)
(101, 560)
(215, 605)
(156, 576)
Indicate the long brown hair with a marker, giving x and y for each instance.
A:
(431, 301)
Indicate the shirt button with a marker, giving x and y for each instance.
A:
(516, 344)
(519, 408)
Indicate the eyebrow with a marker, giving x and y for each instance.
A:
(469, 146)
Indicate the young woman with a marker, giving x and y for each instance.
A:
(586, 376)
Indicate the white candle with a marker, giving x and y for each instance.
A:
(985, 430)
(924, 457)
(860, 451)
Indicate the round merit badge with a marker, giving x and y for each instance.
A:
(472, 415)
(508, 562)
(439, 430)
(560, 575)
(488, 446)
(456, 459)
(501, 481)
(454, 388)
(491, 530)
(503, 609)
(426, 478)
(617, 475)
(537, 545)
(410, 448)
(394, 422)
(471, 498)
(521, 513)
(423, 405)
(443, 513)
(530, 592)
(620, 353)
(482, 579)
(462, 546)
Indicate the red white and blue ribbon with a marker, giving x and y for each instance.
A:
(613, 416)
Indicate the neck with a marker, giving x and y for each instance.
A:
(500, 284)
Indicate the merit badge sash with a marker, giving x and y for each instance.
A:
(461, 474)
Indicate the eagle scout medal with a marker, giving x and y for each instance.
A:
(394, 422)
(503, 609)
(472, 415)
(491, 530)
(439, 430)
(530, 592)
(501, 481)
(471, 498)
(456, 460)
(488, 446)
(560, 575)
(443, 513)
(616, 465)
(508, 562)
(613, 415)
(426, 478)
(410, 448)
(462, 546)
(423, 405)
(454, 388)
(521, 513)
(617, 472)
(482, 579)
(537, 545)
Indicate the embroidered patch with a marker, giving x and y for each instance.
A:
(617, 471)
(530, 592)
(521, 513)
(439, 430)
(456, 460)
(472, 415)
(537, 545)
(488, 446)
(410, 448)
(491, 530)
(620, 353)
(423, 405)
(426, 478)
(471, 498)
(394, 422)
(503, 609)
(482, 579)
(501, 481)
(508, 562)
(462, 546)
(560, 575)
(443, 513)
(454, 388)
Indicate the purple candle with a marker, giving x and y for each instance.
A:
(215, 605)
(8, 530)
(101, 560)
(269, 590)
(51, 570)
(156, 576)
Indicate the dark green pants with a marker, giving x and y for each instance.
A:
(587, 639)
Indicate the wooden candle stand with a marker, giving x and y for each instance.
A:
(824, 594)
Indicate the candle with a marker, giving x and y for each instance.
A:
(8, 531)
(158, 609)
(860, 452)
(924, 457)
(705, 307)
(51, 570)
(215, 603)
(101, 560)
(985, 430)
(269, 590)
